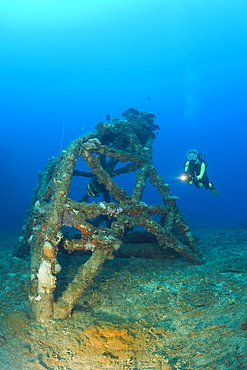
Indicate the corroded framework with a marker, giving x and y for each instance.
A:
(127, 141)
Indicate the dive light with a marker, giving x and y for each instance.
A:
(186, 177)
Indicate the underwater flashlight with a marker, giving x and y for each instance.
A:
(186, 177)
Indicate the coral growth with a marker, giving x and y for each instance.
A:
(101, 225)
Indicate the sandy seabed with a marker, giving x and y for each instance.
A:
(139, 313)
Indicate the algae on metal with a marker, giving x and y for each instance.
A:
(129, 142)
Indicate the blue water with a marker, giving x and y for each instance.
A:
(64, 65)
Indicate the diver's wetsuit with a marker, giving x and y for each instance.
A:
(196, 168)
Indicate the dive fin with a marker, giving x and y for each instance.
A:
(214, 191)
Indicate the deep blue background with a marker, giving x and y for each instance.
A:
(64, 65)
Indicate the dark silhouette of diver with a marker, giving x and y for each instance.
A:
(195, 167)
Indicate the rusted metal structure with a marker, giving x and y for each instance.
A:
(102, 225)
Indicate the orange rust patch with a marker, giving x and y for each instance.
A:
(134, 211)
(82, 229)
(109, 339)
(94, 242)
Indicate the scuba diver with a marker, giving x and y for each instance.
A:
(195, 167)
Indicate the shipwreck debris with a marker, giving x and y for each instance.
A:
(112, 149)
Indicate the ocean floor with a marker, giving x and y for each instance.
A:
(139, 313)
